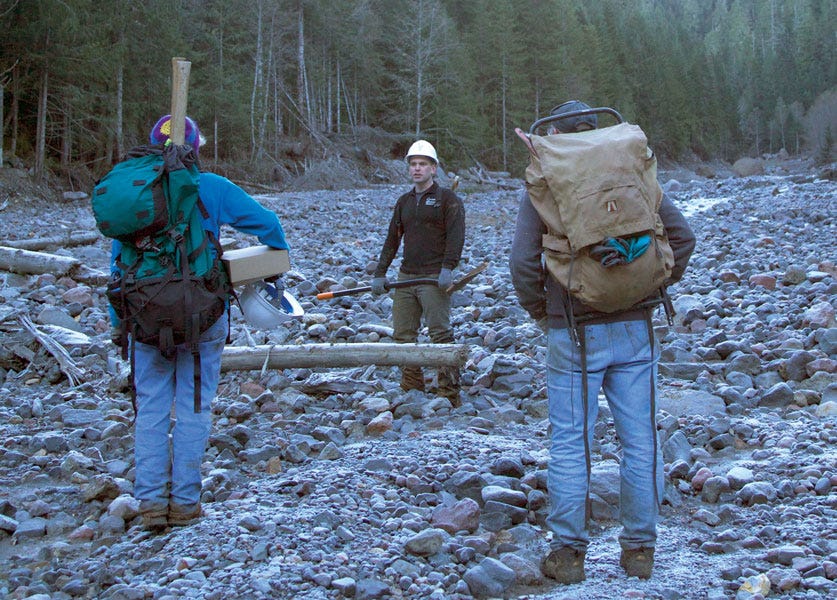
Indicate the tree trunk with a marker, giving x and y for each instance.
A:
(15, 110)
(337, 96)
(351, 114)
(120, 141)
(67, 142)
(221, 88)
(503, 115)
(303, 100)
(311, 356)
(40, 136)
(329, 103)
(419, 83)
(27, 262)
(257, 74)
(1, 124)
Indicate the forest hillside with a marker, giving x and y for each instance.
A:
(280, 85)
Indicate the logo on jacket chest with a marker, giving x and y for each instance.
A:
(431, 201)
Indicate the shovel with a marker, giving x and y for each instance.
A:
(456, 285)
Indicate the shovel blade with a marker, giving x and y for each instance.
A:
(467, 278)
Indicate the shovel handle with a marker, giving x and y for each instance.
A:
(337, 294)
(389, 285)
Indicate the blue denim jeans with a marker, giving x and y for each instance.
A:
(169, 451)
(620, 362)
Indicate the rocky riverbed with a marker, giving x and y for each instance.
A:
(334, 483)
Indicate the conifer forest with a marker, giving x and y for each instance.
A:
(81, 81)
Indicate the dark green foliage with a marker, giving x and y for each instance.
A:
(718, 78)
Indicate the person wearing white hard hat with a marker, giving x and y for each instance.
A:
(431, 221)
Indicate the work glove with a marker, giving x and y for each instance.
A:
(445, 278)
(379, 285)
(275, 281)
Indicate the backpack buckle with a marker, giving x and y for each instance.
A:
(145, 243)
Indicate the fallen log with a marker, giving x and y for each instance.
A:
(56, 241)
(37, 263)
(236, 358)
(257, 186)
(65, 362)
(90, 276)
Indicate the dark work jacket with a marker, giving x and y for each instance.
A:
(540, 293)
(433, 228)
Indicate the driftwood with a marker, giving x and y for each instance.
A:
(319, 384)
(67, 365)
(57, 241)
(342, 355)
(90, 276)
(257, 186)
(485, 177)
(37, 263)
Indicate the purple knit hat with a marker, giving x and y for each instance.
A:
(162, 130)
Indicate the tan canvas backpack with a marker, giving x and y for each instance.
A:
(592, 186)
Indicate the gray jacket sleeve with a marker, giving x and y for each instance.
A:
(681, 238)
(526, 263)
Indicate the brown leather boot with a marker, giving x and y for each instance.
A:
(184, 514)
(412, 378)
(449, 385)
(637, 562)
(154, 515)
(564, 565)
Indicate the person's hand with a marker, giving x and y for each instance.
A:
(445, 278)
(379, 285)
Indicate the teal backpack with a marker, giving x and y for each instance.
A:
(171, 285)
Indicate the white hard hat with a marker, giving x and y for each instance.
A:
(422, 148)
(264, 308)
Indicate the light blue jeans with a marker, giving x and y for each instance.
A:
(169, 451)
(619, 361)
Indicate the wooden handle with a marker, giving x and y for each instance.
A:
(339, 293)
(179, 94)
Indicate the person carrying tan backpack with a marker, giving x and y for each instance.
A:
(595, 347)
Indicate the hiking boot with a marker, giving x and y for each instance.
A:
(452, 394)
(637, 562)
(154, 515)
(184, 514)
(412, 378)
(449, 385)
(564, 565)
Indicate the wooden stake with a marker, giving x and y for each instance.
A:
(179, 94)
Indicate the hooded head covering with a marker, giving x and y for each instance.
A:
(571, 124)
(161, 132)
